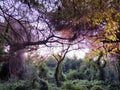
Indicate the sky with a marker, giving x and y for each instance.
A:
(79, 54)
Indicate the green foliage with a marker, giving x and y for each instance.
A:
(80, 87)
(75, 79)
(73, 74)
(51, 78)
(24, 85)
(97, 87)
(113, 85)
(1, 51)
(88, 70)
(71, 64)
(69, 85)
(39, 85)
(19, 85)
(84, 83)
(54, 87)
(50, 62)
(42, 71)
(43, 85)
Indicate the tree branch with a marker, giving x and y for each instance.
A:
(110, 41)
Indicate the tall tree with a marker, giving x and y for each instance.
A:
(58, 71)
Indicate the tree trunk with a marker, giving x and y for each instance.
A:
(101, 73)
(58, 73)
(16, 64)
(118, 69)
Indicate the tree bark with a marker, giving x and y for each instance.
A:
(16, 63)
(58, 73)
(101, 73)
(118, 69)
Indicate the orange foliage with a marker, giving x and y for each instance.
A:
(67, 32)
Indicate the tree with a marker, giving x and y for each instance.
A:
(58, 71)
(90, 19)
(100, 66)
(97, 21)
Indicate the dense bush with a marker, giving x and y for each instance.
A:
(51, 62)
(73, 74)
(53, 87)
(113, 85)
(71, 64)
(24, 85)
(50, 77)
(80, 87)
(69, 85)
(37, 83)
(42, 71)
(79, 75)
(19, 85)
(84, 83)
(97, 87)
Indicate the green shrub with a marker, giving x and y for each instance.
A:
(80, 83)
(43, 71)
(51, 63)
(114, 87)
(72, 64)
(73, 74)
(53, 87)
(19, 85)
(50, 77)
(98, 82)
(97, 87)
(73, 85)
(87, 83)
(39, 84)
(68, 86)
(81, 87)
(43, 85)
